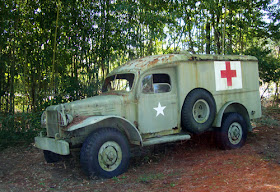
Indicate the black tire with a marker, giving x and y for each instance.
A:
(198, 111)
(105, 153)
(51, 157)
(233, 132)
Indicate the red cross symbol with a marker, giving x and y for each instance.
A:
(228, 73)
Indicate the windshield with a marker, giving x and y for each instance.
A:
(119, 82)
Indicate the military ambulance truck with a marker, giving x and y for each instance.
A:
(153, 100)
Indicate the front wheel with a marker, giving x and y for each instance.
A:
(105, 153)
(233, 132)
(51, 157)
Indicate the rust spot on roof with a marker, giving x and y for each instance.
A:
(153, 62)
(145, 63)
(161, 59)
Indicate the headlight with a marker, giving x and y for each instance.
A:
(69, 118)
(61, 119)
(64, 120)
(44, 120)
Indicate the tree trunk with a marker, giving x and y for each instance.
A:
(190, 37)
(275, 94)
(265, 91)
(224, 28)
(208, 40)
(12, 80)
(217, 34)
(54, 50)
(229, 47)
(1, 76)
(240, 35)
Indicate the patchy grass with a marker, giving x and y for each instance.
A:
(146, 178)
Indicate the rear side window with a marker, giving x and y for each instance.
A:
(156, 83)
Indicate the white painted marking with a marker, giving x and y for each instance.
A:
(228, 75)
(159, 109)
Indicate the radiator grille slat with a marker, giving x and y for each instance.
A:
(52, 123)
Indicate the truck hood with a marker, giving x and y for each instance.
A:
(97, 105)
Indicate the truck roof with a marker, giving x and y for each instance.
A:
(146, 63)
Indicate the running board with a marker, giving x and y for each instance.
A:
(166, 139)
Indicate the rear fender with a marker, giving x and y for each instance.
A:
(232, 107)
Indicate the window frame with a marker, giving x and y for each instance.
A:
(115, 75)
(152, 79)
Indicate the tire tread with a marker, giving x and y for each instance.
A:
(90, 146)
(221, 133)
(188, 122)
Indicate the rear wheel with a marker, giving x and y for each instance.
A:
(105, 153)
(233, 132)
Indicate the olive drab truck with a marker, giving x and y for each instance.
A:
(153, 100)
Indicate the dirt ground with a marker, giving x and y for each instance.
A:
(195, 165)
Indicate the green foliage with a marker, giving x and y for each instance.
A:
(58, 51)
(18, 129)
(269, 66)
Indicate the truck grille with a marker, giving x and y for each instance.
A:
(52, 123)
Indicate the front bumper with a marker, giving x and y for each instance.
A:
(57, 146)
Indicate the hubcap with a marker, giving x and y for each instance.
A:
(110, 156)
(235, 133)
(201, 111)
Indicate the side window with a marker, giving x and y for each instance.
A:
(156, 83)
(147, 84)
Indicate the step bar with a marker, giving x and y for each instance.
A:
(166, 139)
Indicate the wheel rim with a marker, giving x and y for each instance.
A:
(110, 156)
(235, 133)
(201, 111)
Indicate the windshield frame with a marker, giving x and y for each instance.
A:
(115, 76)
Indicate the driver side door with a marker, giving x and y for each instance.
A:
(157, 103)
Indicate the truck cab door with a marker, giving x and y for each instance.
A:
(157, 102)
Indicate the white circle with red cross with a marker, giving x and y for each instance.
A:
(228, 75)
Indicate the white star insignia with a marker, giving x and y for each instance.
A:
(159, 109)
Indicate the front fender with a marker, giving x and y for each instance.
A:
(117, 122)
